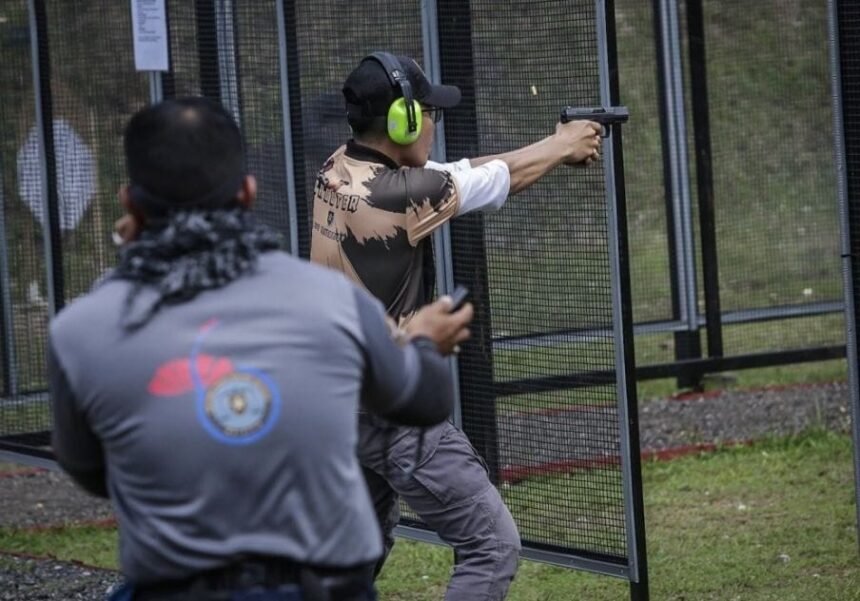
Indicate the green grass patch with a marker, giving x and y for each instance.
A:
(92, 545)
(775, 521)
(770, 522)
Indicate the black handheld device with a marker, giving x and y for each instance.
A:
(459, 297)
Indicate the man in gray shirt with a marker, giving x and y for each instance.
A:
(210, 385)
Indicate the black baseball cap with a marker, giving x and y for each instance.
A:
(369, 92)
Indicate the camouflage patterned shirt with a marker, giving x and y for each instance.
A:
(372, 219)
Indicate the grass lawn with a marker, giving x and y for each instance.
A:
(775, 521)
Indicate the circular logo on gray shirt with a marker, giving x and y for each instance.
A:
(240, 406)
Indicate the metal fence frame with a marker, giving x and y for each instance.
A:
(849, 210)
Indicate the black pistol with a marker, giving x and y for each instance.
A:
(604, 116)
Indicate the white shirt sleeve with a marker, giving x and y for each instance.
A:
(482, 188)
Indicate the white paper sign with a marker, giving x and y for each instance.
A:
(149, 27)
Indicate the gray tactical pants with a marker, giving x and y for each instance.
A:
(450, 490)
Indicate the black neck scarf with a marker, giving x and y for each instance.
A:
(187, 252)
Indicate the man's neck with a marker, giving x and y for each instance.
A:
(384, 147)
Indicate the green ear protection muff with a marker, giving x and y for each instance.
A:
(399, 129)
(402, 121)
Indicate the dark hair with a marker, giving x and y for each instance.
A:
(183, 153)
(367, 127)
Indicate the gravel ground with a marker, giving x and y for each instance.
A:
(531, 440)
(46, 498)
(23, 579)
(744, 415)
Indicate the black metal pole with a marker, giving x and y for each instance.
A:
(207, 49)
(687, 344)
(639, 589)
(704, 175)
(478, 400)
(240, 96)
(6, 330)
(844, 34)
(300, 167)
(54, 248)
(168, 79)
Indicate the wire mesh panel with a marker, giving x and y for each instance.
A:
(330, 40)
(259, 89)
(774, 177)
(541, 278)
(848, 14)
(845, 30)
(323, 61)
(60, 172)
(643, 169)
(184, 78)
(228, 51)
(22, 266)
(90, 109)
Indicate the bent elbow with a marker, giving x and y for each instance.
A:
(432, 400)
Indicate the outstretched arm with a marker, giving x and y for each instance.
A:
(573, 142)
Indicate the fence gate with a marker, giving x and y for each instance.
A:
(546, 388)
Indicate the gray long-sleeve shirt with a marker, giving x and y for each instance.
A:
(227, 424)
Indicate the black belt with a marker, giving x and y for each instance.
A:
(264, 572)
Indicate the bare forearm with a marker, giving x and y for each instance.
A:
(530, 163)
(572, 142)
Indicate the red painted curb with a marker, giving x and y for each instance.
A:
(514, 474)
(104, 523)
(710, 394)
(23, 473)
(550, 411)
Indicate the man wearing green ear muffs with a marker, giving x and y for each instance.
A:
(377, 199)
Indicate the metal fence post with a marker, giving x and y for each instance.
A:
(682, 254)
(622, 310)
(7, 327)
(165, 87)
(843, 37)
(216, 52)
(207, 49)
(228, 57)
(442, 237)
(467, 238)
(52, 237)
(292, 66)
(289, 159)
(704, 176)
(156, 87)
